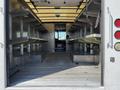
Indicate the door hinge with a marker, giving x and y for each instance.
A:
(1, 45)
(1, 10)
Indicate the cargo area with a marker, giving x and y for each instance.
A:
(54, 43)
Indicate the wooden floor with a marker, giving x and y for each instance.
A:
(57, 70)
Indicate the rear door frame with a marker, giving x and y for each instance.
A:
(107, 84)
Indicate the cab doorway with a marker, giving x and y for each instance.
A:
(60, 37)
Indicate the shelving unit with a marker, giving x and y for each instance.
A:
(25, 38)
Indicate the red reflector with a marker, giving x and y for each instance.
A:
(117, 23)
(117, 35)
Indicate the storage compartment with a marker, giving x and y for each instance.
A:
(54, 43)
(86, 59)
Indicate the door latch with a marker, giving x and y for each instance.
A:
(112, 59)
(110, 43)
(1, 45)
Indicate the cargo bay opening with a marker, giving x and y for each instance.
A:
(54, 43)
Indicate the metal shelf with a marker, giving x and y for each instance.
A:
(28, 40)
(37, 40)
(92, 38)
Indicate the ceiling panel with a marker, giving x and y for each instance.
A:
(56, 10)
(50, 3)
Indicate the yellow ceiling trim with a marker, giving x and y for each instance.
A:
(86, 0)
(57, 18)
(56, 11)
(82, 6)
(69, 7)
(54, 15)
(27, 0)
(31, 5)
(38, 7)
(44, 21)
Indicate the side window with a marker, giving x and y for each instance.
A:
(18, 34)
(25, 34)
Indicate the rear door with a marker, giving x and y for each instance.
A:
(111, 12)
(2, 47)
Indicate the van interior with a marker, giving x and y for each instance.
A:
(54, 43)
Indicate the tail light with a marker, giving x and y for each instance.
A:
(117, 23)
(117, 35)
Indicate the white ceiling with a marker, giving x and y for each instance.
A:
(57, 3)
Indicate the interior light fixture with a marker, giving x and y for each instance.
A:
(57, 7)
(48, 2)
(64, 2)
(57, 15)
